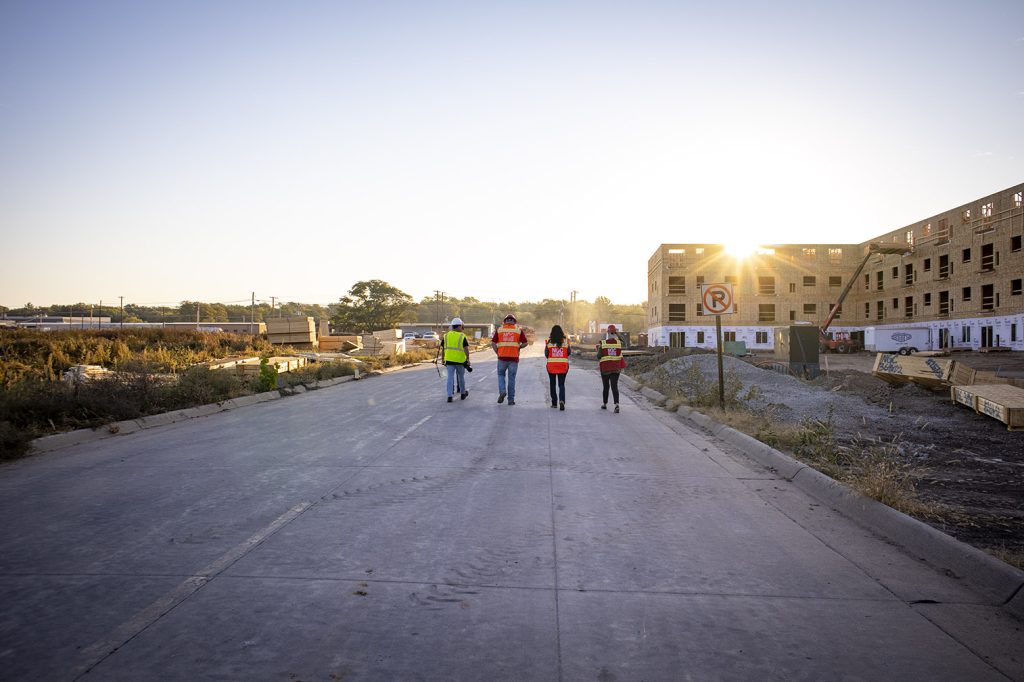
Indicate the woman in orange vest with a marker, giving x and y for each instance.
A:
(557, 351)
(609, 355)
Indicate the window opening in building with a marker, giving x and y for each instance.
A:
(766, 286)
(910, 237)
(700, 337)
(677, 312)
(839, 311)
(766, 312)
(792, 287)
(926, 231)
(810, 253)
(1015, 287)
(675, 257)
(699, 252)
(867, 281)
(986, 211)
(835, 256)
(731, 279)
(908, 306)
(965, 256)
(927, 300)
(908, 274)
(943, 303)
(760, 337)
(834, 281)
(792, 315)
(879, 310)
(988, 259)
(943, 266)
(810, 309)
(728, 336)
(1013, 327)
(965, 335)
(810, 281)
(676, 286)
(1018, 199)
(965, 216)
(879, 281)
(1015, 243)
(896, 272)
(700, 309)
(700, 279)
(677, 339)
(965, 294)
(867, 310)
(895, 304)
(987, 297)
(927, 264)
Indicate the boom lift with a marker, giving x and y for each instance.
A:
(841, 342)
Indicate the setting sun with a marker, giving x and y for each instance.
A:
(740, 249)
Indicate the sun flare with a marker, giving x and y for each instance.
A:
(741, 249)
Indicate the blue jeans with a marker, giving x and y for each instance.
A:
(453, 371)
(511, 368)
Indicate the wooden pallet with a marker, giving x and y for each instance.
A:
(999, 401)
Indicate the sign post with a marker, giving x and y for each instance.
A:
(717, 300)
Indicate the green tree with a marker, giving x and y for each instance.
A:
(371, 305)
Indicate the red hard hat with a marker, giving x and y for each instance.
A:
(612, 328)
(510, 318)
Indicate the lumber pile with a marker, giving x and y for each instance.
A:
(1000, 401)
(79, 373)
(932, 373)
(292, 331)
(380, 343)
(251, 366)
(232, 362)
(340, 344)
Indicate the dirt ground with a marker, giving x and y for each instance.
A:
(968, 468)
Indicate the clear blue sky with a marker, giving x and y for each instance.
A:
(507, 150)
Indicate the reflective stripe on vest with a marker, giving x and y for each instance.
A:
(453, 349)
(558, 358)
(611, 353)
(508, 341)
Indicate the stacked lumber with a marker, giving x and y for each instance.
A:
(371, 345)
(231, 362)
(283, 364)
(79, 373)
(292, 331)
(341, 344)
(1000, 401)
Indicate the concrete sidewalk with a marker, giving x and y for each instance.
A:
(374, 531)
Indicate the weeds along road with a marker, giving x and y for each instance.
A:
(372, 531)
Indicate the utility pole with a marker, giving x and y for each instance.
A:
(197, 314)
(122, 311)
(572, 298)
(439, 298)
(272, 299)
(252, 314)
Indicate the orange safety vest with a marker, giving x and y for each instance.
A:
(610, 355)
(558, 358)
(508, 342)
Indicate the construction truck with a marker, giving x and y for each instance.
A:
(842, 342)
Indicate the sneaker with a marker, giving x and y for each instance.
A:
(604, 407)
(511, 402)
(561, 406)
(464, 395)
(554, 404)
(501, 397)
(616, 409)
(449, 398)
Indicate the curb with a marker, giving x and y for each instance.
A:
(59, 441)
(982, 572)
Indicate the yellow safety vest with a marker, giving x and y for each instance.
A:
(453, 347)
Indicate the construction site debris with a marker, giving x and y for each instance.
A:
(293, 331)
(79, 373)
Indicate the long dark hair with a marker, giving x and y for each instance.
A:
(557, 336)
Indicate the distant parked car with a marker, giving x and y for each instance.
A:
(432, 336)
(409, 336)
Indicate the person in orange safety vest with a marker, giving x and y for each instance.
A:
(507, 342)
(609, 355)
(557, 351)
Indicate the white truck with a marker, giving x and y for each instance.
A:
(902, 340)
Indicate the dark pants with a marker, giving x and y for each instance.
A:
(613, 381)
(560, 379)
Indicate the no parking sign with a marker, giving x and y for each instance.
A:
(717, 299)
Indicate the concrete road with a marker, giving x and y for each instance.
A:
(372, 531)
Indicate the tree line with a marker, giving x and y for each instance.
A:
(367, 306)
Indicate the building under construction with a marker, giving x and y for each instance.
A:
(959, 273)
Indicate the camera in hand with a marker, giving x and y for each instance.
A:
(469, 368)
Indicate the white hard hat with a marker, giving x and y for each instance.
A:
(456, 322)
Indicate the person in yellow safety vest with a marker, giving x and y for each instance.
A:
(456, 359)
(507, 342)
(557, 351)
(609, 355)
